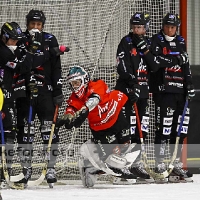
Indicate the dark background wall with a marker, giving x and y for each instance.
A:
(194, 127)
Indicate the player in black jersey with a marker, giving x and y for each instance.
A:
(170, 87)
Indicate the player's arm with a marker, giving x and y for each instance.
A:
(56, 74)
(75, 117)
(124, 65)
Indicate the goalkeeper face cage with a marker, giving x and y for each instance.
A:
(77, 73)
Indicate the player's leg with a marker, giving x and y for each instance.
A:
(138, 167)
(90, 164)
(9, 121)
(45, 112)
(179, 173)
(25, 149)
(109, 143)
(165, 105)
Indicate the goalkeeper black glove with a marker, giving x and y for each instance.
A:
(134, 93)
(67, 120)
(183, 58)
(35, 43)
(140, 42)
(33, 89)
(80, 116)
(190, 91)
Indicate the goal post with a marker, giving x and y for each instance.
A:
(183, 32)
(92, 29)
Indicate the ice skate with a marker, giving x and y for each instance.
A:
(51, 177)
(125, 174)
(139, 170)
(27, 171)
(160, 168)
(179, 174)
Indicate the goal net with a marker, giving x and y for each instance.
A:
(92, 29)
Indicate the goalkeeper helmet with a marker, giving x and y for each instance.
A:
(140, 18)
(11, 31)
(77, 73)
(171, 19)
(35, 15)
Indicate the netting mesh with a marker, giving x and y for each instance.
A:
(92, 29)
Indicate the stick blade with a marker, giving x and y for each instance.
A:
(17, 177)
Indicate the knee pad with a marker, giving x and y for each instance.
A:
(46, 136)
(116, 161)
(45, 129)
(89, 150)
(23, 131)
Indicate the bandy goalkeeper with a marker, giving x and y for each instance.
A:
(93, 100)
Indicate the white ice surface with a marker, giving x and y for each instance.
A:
(175, 191)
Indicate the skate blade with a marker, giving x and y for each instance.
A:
(144, 181)
(51, 185)
(161, 181)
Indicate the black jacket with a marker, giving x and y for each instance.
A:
(175, 78)
(133, 66)
(14, 71)
(46, 67)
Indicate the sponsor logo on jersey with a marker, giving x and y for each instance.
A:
(175, 68)
(145, 127)
(102, 109)
(185, 121)
(110, 113)
(133, 51)
(145, 120)
(132, 129)
(170, 111)
(166, 130)
(20, 88)
(142, 68)
(111, 138)
(179, 85)
(133, 119)
(172, 44)
(184, 129)
(120, 96)
(167, 121)
(11, 64)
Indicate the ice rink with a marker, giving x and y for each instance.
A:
(172, 191)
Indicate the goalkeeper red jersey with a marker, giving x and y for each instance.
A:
(105, 114)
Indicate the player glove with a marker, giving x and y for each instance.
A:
(35, 43)
(57, 51)
(140, 42)
(67, 120)
(57, 100)
(134, 93)
(33, 89)
(80, 116)
(190, 91)
(183, 58)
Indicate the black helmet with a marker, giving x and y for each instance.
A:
(171, 19)
(11, 30)
(140, 18)
(35, 15)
